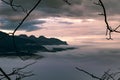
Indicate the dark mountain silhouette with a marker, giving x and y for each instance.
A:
(42, 40)
(27, 44)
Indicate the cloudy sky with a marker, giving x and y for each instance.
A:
(78, 22)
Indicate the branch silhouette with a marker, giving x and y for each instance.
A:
(109, 29)
(107, 75)
(14, 6)
(93, 76)
(17, 72)
(66, 1)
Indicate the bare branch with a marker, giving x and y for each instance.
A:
(19, 25)
(24, 66)
(106, 76)
(67, 2)
(26, 16)
(13, 6)
(5, 75)
(93, 76)
(105, 15)
(117, 28)
(109, 30)
(18, 72)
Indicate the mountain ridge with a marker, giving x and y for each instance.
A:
(27, 44)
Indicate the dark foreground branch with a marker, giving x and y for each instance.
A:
(108, 75)
(109, 29)
(93, 76)
(4, 74)
(13, 34)
(66, 1)
(14, 6)
(18, 73)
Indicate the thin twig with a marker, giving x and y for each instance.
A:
(6, 76)
(106, 76)
(67, 2)
(13, 6)
(109, 30)
(18, 72)
(93, 76)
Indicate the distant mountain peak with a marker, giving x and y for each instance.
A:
(43, 37)
(32, 37)
(23, 36)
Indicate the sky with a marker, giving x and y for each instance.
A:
(75, 23)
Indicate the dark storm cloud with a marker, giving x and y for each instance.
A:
(79, 8)
(27, 26)
(48, 7)
(54, 8)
